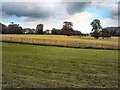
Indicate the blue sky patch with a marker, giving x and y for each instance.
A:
(101, 13)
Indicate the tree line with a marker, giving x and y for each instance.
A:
(13, 28)
(67, 29)
(98, 31)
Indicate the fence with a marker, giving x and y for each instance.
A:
(64, 43)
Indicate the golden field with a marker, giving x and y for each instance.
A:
(61, 40)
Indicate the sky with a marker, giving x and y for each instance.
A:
(52, 13)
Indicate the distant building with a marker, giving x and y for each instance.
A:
(29, 31)
(47, 31)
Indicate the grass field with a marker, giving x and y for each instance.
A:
(60, 40)
(30, 66)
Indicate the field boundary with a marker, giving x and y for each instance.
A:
(40, 44)
(60, 43)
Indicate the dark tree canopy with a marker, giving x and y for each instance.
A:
(3, 28)
(114, 31)
(76, 32)
(98, 31)
(39, 29)
(14, 29)
(56, 31)
(96, 26)
(67, 29)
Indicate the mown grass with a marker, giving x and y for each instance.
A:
(29, 66)
(61, 40)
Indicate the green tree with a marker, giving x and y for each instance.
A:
(2, 28)
(56, 31)
(14, 29)
(96, 28)
(39, 29)
(105, 33)
(67, 29)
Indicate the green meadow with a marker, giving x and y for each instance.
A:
(34, 66)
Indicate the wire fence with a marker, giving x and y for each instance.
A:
(64, 43)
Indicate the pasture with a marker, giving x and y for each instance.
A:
(31, 66)
(65, 41)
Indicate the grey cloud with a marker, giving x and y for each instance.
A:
(36, 10)
(115, 12)
(20, 9)
(74, 7)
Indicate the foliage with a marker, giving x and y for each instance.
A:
(98, 31)
(2, 28)
(114, 31)
(56, 31)
(14, 29)
(76, 32)
(67, 29)
(95, 34)
(105, 33)
(96, 25)
(39, 29)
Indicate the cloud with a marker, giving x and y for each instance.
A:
(109, 7)
(108, 22)
(41, 9)
(115, 11)
(46, 0)
(74, 7)
(53, 14)
(48, 23)
(81, 21)
(27, 9)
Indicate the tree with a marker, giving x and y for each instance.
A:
(105, 33)
(96, 28)
(2, 28)
(14, 29)
(39, 29)
(114, 31)
(56, 31)
(67, 29)
(76, 32)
